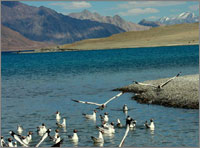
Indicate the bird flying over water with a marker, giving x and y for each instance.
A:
(161, 85)
(101, 106)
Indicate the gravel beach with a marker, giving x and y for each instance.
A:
(182, 92)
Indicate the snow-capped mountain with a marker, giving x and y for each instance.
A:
(185, 17)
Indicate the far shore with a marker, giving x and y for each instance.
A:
(60, 50)
(182, 92)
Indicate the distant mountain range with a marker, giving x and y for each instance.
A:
(46, 25)
(26, 27)
(185, 17)
(115, 20)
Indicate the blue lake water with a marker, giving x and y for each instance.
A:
(35, 86)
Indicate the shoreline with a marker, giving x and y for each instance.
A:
(67, 50)
(182, 92)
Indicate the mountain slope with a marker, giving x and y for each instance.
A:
(116, 20)
(12, 40)
(181, 34)
(44, 24)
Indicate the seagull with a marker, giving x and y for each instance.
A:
(58, 117)
(151, 126)
(161, 85)
(92, 117)
(125, 108)
(42, 129)
(18, 138)
(99, 139)
(46, 134)
(56, 135)
(28, 138)
(15, 144)
(74, 137)
(108, 129)
(3, 143)
(19, 129)
(10, 144)
(119, 123)
(63, 124)
(101, 106)
(58, 144)
(105, 117)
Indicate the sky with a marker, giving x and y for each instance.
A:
(133, 11)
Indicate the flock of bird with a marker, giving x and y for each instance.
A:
(105, 128)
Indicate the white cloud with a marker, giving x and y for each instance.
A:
(72, 5)
(153, 18)
(138, 11)
(148, 4)
(194, 7)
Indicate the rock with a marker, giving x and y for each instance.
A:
(182, 92)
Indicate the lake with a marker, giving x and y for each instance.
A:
(35, 86)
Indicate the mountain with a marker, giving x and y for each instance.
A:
(149, 23)
(115, 20)
(12, 41)
(46, 25)
(168, 35)
(185, 17)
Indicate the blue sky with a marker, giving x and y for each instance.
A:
(133, 11)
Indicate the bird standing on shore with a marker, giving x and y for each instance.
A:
(101, 106)
(160, 85)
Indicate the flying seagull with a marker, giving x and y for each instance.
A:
(101, 106)
(161, 85)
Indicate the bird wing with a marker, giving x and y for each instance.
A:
(126, 133)
(85, 102)
(42, 139)
(17, 138)
(145, 84)
(113, 98)
(165, 83)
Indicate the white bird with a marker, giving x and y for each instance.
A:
(92, 117)
(133, 124)
(10, 144)
(42, 129)
(3, 143)
(58, 117)
(105, 117)
(18, 138)
(125, 108)
(74, 137)
(151, 126)
(160, 85)
(101, 106)
(15, 144)
(28, 138)
(119, 123)
(46, 134)
(19, 129)
(100, 139)
(108, 129)
(56, 135)
(63, 124)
